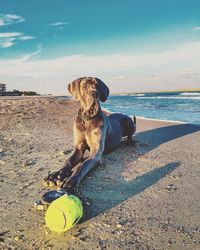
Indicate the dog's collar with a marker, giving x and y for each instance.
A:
(87, 117)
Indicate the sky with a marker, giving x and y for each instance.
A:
(132, 45)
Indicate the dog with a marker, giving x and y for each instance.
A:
(93, 130)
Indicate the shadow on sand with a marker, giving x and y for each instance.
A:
(106, 187)
(158, 136)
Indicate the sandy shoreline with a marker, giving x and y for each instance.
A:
(143, 196)
(25, 97)
(65, 98)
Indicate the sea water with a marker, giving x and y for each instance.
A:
(176, 106)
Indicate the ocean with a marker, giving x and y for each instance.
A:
(175, 106)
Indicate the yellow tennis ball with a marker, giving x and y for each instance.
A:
(63, 213)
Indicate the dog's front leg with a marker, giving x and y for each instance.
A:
(96, 143)
(55, 178)
(74, 181)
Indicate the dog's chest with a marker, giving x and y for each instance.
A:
(87, 126)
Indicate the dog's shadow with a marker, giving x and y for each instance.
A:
(105, 187)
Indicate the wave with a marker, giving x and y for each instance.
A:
(170, 97)
(147, 118)
(190, 93)
(136, 94)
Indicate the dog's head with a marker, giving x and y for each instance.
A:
(88, 90)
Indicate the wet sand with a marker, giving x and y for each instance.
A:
(143, 196)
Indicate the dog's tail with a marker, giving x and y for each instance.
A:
(134, 119)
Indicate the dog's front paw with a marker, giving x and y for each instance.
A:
(56, 178)
(51, 179)
(70, 184)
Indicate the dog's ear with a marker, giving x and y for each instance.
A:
(103, 90)
(74, 88)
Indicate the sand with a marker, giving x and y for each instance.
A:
(143, 196)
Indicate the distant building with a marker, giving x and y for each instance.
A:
(2, 88)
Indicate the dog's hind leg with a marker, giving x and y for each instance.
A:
(131, 128)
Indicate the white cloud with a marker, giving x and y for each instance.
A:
(19, 19)
(7, 38)
(8, 19)
(26, 38)
(122, 72)
(196, 28)
(10, 34)
(58, 24)
(7, 42)
(1, 22)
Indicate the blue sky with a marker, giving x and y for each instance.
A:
(132, 45)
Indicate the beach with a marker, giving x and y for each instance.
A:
(143, 196)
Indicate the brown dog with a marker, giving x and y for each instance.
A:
(93, 131)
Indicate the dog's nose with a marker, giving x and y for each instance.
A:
(94, 94)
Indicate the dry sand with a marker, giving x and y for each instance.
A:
(143, 196)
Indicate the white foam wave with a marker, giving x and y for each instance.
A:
(171, 97)
(146, 118)
(190, 93)
(136, 94)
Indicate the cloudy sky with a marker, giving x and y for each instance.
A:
(132, 45)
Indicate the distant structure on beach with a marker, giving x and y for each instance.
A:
(2, 88)
(15, 92)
